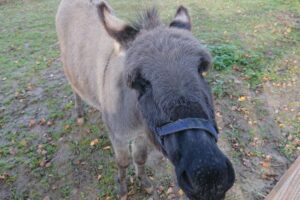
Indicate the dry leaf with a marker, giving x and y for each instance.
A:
(80, 121)
(50, 123)
(31, 123)
(268, 158)
(265, 164)
(42, 163)
(180, 192)
(44, 152)
(170, 190)
(67, 127)
(290, 138)
(242, 98)
(48, 164)
(107, 148)
(99, 177)
(42, 121)
(94, 142)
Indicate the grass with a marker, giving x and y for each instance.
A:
(255, 45)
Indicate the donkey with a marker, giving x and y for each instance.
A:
(146, 79)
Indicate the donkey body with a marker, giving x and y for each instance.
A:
(102, 57)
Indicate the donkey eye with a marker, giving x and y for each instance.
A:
(141, 85)
(200, 68)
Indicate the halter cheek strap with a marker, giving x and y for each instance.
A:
(187, 124)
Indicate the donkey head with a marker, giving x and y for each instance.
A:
(164, 65)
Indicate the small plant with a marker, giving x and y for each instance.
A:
(229, 57)
(224, 56)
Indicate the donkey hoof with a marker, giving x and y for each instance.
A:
(80, 121)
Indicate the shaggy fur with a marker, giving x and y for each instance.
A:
(143, 76)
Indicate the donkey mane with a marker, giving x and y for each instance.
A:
(148, 19)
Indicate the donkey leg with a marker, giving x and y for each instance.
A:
(122, 157)
(79, 109)
(139, 154)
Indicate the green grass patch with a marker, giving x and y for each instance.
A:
(231, 59)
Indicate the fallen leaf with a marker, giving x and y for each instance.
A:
(180, 192)
(290, 138)
(80, 121)
(296, 141)
(107, 148)
(48, 164)
(170, 190)
(44, 152)
(242, 98)
(50, 123)
(99, 177)
(67, 127)
(42, 121)
(43, 163)
(268, 158)
(131, 179)
(31, 123)
(265, 164)
(94, 142)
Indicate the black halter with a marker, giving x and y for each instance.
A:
(186, 124)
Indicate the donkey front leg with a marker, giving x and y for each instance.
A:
(122, 156)
(140, 154)
(79, 109)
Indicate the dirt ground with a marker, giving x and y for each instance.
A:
(44, 154)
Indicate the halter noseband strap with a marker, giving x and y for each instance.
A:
(187, 124)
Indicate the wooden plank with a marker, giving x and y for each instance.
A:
(288, 187)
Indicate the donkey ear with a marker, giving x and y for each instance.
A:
(116, 28)
(182, 19)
